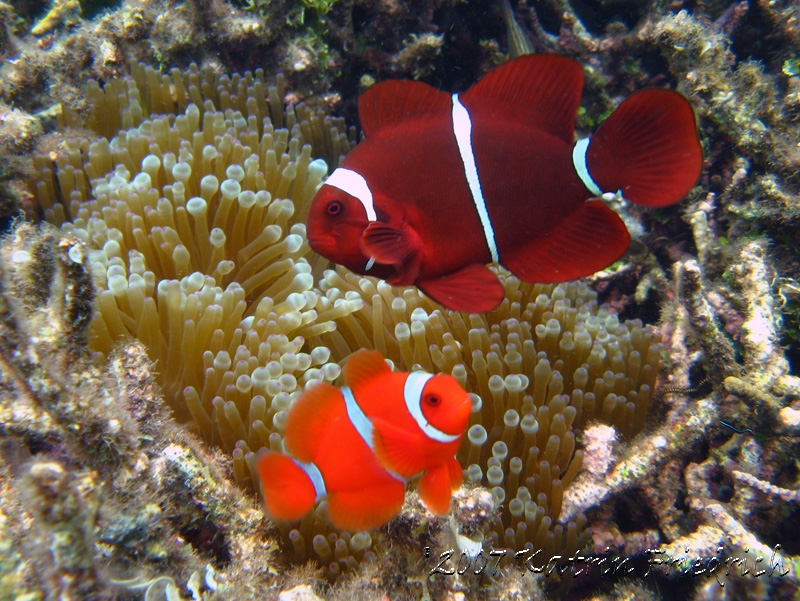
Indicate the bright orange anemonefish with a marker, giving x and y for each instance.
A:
(358, 445)
(445, 183)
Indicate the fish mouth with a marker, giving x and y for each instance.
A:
(322, 245)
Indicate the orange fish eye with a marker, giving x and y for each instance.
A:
(433, 400)
(334, 208)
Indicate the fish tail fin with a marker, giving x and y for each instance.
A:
(647, 149)
(287, 488)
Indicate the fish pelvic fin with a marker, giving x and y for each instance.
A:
(648, 149)
(474, 289)
(456, 473)
(288, 491)
(435, 489)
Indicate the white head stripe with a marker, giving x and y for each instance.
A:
(462, 128)
(579, 162)
(315, 476)
(362, 424)
(355, 185)
(412, 392)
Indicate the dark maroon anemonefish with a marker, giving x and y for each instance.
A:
(443, 184)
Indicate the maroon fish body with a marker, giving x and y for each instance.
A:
(443, 184)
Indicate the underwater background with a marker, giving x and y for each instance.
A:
(160, 310)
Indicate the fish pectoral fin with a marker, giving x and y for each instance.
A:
(474, 289)
(366, 508)
(363, 366)
(435, 490)
(398, 450)
(395, 246)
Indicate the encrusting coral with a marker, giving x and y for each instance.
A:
(98, 483)
(191, 220)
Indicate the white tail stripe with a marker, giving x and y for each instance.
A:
(362, 424)
(462, 128)
(355, 185)
(412, 392)
(579, 162)
(313, 473)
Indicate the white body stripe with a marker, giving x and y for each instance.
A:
(579, 162)
(355, 185)
(412, 392)
(462, 128)
(362, 424)
(358, 418)
(315, 476)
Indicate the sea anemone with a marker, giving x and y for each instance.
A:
(192, 215)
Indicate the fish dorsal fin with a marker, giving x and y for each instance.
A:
(363, 366)
(310, 417)
(393, 102)
(540, 90)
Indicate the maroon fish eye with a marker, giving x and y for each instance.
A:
(334, 208)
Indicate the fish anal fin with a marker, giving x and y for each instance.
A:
(474, 289)
(648, 148)
(288, 491)
(394, 102)
(366, 508)
(589, 240)
(310, 418)
(395, 246)
(435, 490)
(363, 366)
(537, 90)
(397, 449)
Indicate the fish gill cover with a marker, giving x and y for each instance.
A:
(123, 499)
